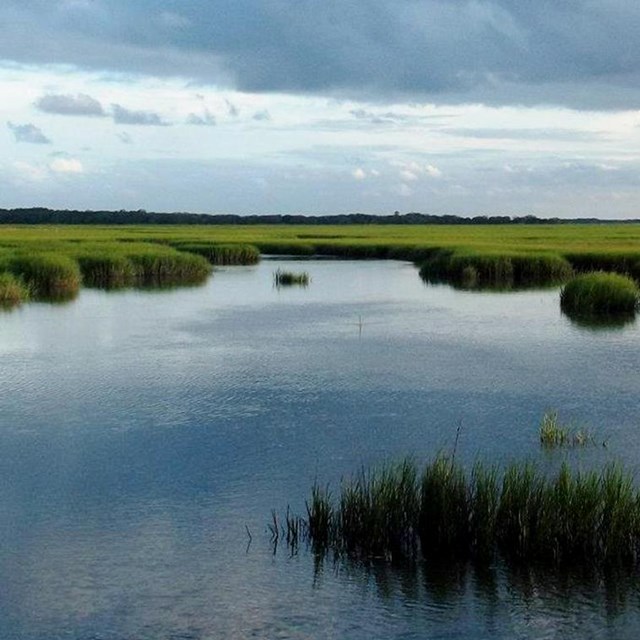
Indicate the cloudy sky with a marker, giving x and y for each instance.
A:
(322, 106)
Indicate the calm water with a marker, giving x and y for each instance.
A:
(142, 432)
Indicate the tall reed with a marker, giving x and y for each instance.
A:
(585, 518)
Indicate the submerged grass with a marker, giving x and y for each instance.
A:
(554, 434)
(588, 518)
(289, 278)
(600, 293)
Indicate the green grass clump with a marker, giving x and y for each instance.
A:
(49, 276)
(163, 266)
(377, 511)
(600, 293)
(12, 291)
(223, 254)
(553, 434)
(494, 270)
(289, 278)
(108, 270)
(522, 515)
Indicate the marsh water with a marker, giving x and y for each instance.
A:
(145, 436)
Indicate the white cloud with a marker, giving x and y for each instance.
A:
(66, 165)
(29, 171)
(407, 175)
(206, 119)
(262, 116)
(359, 174)
(404, 190)
(432, 171)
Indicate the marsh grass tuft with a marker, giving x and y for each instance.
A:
(554, 434)
(600, 294)
(223, 254)
(290, 278)
(47, 276)
(106, 270)
(12, 291)
(163, 266)
(477, 270)
(525, 516)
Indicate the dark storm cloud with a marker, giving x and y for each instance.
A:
(575, 52)
(28, 133)
(121, 115)
(69, 105)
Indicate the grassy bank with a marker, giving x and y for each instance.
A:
(468, 256)
(47, 276)
(222, 254)
(441, 511)
(55, 271)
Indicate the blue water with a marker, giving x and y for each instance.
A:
(143, 433)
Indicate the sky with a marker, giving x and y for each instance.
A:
(468, 107)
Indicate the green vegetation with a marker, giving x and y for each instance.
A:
(162, 266)
(600, 293)
(469, 256)
(553, 434)
(223, 254)
(48, 276)
(289, 278)
(572, 517)
(12, 291)
(477, 270)
(106, 270)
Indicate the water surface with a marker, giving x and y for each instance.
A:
(142, 433)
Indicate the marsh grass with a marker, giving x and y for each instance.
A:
(554, 434)
(160, 266)
(283, 278)
(223, 254)
(600, 294)
(47, 276)
(106, 270)
(473, 270)
(520, 514)
(12, 291)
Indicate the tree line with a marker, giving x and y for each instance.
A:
(42, 215)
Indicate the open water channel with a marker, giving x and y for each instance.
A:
(143, 433)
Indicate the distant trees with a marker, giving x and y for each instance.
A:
(41, 215)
